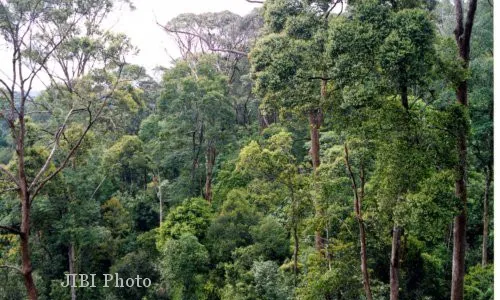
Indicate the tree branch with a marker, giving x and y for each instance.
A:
(202, 39)
(10, 229)
(9, 174)
(469, 22)
(11, 267)
(92, 120)
(57, 137)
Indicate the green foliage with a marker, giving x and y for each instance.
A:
(126, 161)
(269, 281)
(383, 74)
(270, 240)
(231, 228)
(193, 217)
(184, 261)
(130, 266)
(479, 283)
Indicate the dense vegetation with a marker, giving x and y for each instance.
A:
(312, 149)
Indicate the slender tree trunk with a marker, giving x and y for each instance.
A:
(295, 251)
(484, 260)
(364, 265)
(462, 37)
(27, 269)
(210, 162)
(315, 121)
(394, 272)
(362, 237)
(160, 197)
(24, 195)
(358, 199)
(196, 153)
(72, 269)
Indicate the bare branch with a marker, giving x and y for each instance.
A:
(49, 158)
(9, 174)
(97, 188)
(92, 120)
(10, 229)
(175, 31)
(332, 7)
(11, 267)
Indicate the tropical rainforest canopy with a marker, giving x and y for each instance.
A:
(312, 149)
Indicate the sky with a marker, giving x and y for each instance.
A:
(155, 46)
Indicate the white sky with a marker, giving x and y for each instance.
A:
(155, 46)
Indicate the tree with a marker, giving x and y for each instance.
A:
(41, 35)
(289, 62)
(229, 37)
(196, 105)
(481, 109)
(359, 194)
(275, 163)
(183, 261)
(394, 54)
(463, 33)
(192, 217)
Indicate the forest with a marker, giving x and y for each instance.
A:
(311, 149)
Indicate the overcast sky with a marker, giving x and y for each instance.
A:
(153, 42)
(140, 25)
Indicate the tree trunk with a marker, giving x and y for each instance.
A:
(484, 260)
(362, 236)
(24, 195)
(27, 269)
(394, 272)
(72, 269)
(295, 251)
(462, 37)
(210, 162)
(315, 121)
(160, 196)
(364, 265)
(358, 199)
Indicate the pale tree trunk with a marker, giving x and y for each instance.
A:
(315, 121)
(295, 251)
(24, 194)
(211, 154)
(358, 199)
(160, 195)
(362, 237)
(72, 269)
(395, 258)
(462, 37)
(484, 260)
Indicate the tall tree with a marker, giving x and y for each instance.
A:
(44, 37)
(289, 66)
(463, 33)
(359, 194)
(197, 107)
